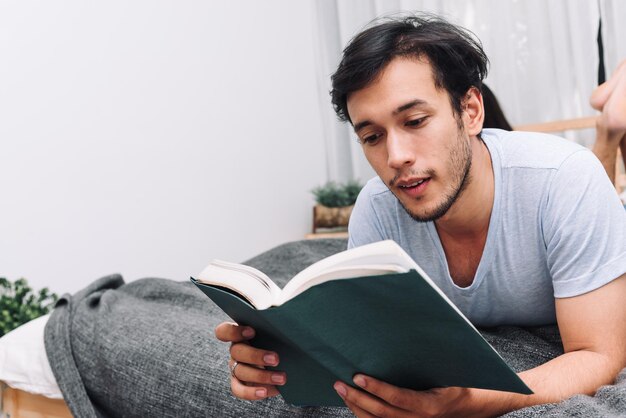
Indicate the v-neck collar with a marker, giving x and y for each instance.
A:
(494, 222)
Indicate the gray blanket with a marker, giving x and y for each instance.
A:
(146, 349)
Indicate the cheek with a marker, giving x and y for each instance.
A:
(376, 157)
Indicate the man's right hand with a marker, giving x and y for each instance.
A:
(249, 380)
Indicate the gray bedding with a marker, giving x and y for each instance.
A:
(146, 349)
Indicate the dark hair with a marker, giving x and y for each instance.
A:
(456, 56)
(494, 116)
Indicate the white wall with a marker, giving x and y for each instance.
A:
(147, 137)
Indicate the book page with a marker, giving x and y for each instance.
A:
(253, 285)
(384, 257)
(338, 273)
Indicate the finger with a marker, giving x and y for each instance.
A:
(360, 413)
(250, 374)
(402, 398)
(230, 332)
(245, 353)
(368, 403)
(251, 393)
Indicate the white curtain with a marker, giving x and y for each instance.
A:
(543, 54)
(613, 14)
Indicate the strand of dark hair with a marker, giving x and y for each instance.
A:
(454, 53)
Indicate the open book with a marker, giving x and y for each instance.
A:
(384, 257)
(371, 310)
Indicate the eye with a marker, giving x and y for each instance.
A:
(415, 122)
(370, 139)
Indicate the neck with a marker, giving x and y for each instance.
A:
(468, 217)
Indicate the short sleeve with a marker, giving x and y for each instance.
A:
(584, 226)
(364, 226)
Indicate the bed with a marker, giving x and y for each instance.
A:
(23, 404)
(145, 349)
(28, 388)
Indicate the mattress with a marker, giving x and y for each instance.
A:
(23, 361)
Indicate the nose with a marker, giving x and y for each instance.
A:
(399, 150)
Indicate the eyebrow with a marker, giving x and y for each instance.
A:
(399, 109)
(409, 105)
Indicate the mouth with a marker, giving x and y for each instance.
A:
(406, 185)
(415, 187)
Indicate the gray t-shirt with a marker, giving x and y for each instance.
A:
(557, 230)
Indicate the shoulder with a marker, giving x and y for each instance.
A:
(369, 221)
(531, 150)
(375, 194)
(374, 187)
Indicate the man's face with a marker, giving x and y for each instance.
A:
(412, 138)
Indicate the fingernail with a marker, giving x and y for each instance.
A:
(261, 393)
(341, 390)
(248, 332)
(278, 378)
(359, 381)
(270, 359)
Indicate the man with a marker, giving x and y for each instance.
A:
(516, 228)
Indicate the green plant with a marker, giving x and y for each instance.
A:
(20, 304)
(335, 195)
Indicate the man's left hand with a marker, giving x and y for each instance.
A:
(380, 399)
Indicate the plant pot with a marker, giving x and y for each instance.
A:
(325, 217)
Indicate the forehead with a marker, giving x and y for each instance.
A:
(401, 81)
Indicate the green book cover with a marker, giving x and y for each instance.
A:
(394, 327)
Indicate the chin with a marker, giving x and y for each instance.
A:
(426, 216)
(427, 213)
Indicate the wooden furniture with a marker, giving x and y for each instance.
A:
(560, 125)
(318, 235)
(329, 219)
(15, 403)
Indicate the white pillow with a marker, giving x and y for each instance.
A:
(23, 361)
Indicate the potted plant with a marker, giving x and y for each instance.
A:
(334, 204)
(20, 304)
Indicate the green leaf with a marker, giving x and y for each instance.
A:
(336, 195)
(19, 303)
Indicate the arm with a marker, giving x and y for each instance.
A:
(593, 330)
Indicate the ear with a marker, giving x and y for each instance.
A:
(473, 111)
